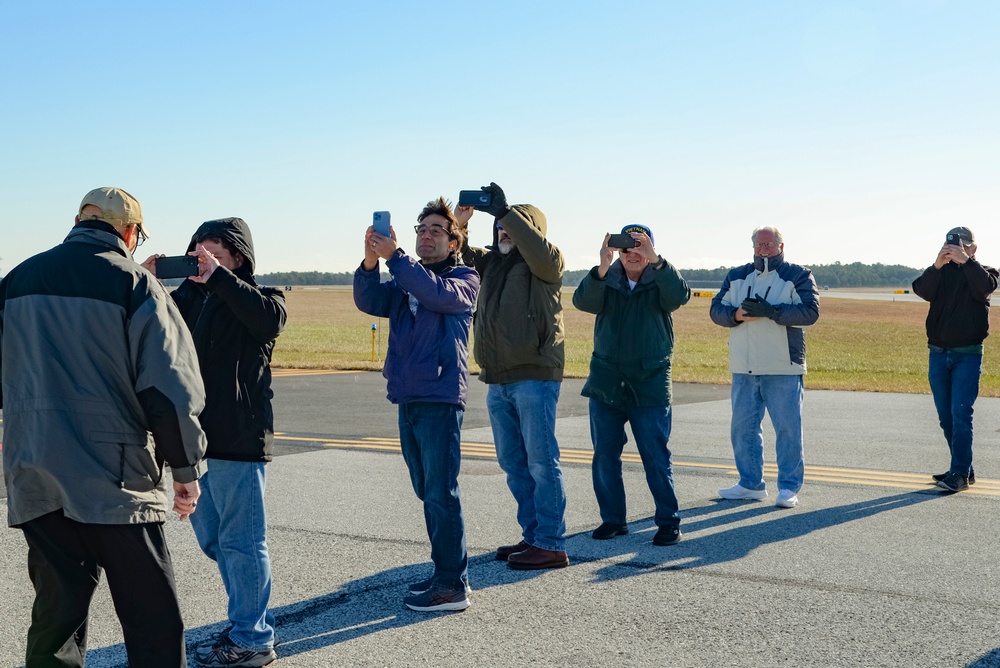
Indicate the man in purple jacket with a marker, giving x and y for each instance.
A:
(429, 304)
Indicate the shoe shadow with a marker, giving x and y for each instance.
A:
(699, 551)
(360, 607)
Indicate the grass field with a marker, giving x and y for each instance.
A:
(877, 346)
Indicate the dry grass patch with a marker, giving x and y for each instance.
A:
(876, 346)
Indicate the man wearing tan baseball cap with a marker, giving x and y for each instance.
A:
(117, 208)
(102, 390)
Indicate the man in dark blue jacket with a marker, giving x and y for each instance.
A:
(234, 323)
(429, 305)
(958, 321)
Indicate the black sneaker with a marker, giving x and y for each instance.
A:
(438, 599)
(954, 482)
(938, 477)
(668, 535)
(609, 530)
(425, 585)
(227, 653)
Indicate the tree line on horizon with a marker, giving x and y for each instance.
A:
(836, 275)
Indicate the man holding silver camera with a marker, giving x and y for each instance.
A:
(958, 288)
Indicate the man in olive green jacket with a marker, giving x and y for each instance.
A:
(630, 376)
(519, 348)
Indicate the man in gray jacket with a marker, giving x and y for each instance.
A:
(93, 357)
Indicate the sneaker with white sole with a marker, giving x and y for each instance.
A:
(227, 653)
(425, 585)
(438, 599)
(786, 499)
(738, 493)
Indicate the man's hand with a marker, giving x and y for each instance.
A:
(186, 498)
(371, 257)
(464, 213)
(383, 247)
(150, 264)
(758, 307)
(207, 264)
(741, 316)
(607, 256)
(498, 201)
(645, 247)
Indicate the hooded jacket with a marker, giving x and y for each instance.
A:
(234, 323)
(518, 319)
(93, 357)
(768, 346)
(959, 315)
(633, 333)
(430, 314)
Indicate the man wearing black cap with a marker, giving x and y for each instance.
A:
(958, 321)
(629, 377)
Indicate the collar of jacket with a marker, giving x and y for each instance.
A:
(618, 279)
(452, 260)
(98, 233)
(766, 264)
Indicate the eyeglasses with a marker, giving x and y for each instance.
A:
(142, 236)
(436, 230)
(766, 244)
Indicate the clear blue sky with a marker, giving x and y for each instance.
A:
(863, 130)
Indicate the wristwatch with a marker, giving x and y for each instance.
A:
(659, 265)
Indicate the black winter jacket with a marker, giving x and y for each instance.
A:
(234, 323)
(960, 303)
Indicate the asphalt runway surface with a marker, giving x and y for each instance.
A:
(875, 567)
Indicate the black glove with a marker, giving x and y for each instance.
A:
(498, 202)
(758, 307)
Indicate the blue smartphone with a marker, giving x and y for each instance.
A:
(380, 221)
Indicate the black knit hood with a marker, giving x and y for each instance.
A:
(236, 233)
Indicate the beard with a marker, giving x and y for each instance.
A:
(505, 245)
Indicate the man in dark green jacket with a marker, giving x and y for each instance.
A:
(519, 348)
(630, 376)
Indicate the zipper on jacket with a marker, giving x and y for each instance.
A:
(121, 469)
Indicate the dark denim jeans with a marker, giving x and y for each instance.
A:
(954, 380)
(651, 428)
(430, 436)
(523, 417)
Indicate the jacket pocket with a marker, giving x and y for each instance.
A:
(138, 469)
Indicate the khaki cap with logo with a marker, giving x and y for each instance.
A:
(119, 208)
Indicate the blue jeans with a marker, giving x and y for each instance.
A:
(954, 380)
(651, 428)
(782, 397)
(231, 529)
(430, 436)
(523, 416)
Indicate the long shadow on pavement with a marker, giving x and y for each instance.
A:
(363, 606)
(741, 540)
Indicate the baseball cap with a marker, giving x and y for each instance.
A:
(636, 227)
(119, 208)
(968, 238)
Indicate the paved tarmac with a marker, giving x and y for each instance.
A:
(875, 567)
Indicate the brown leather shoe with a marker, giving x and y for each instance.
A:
(504, 551)
(535, 558)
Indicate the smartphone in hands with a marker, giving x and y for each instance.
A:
(380, 221)
(179, 266)
(622, 241)
(474, 198)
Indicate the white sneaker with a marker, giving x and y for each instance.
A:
(786, 499)
(738, 491)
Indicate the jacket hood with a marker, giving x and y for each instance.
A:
(236, 233)
(766, 264)
(531, 214)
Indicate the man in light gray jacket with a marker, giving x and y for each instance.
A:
(93, 357)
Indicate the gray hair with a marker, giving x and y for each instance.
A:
(767, 228)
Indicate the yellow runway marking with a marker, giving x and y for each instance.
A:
(813, 473)
(286, 373)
